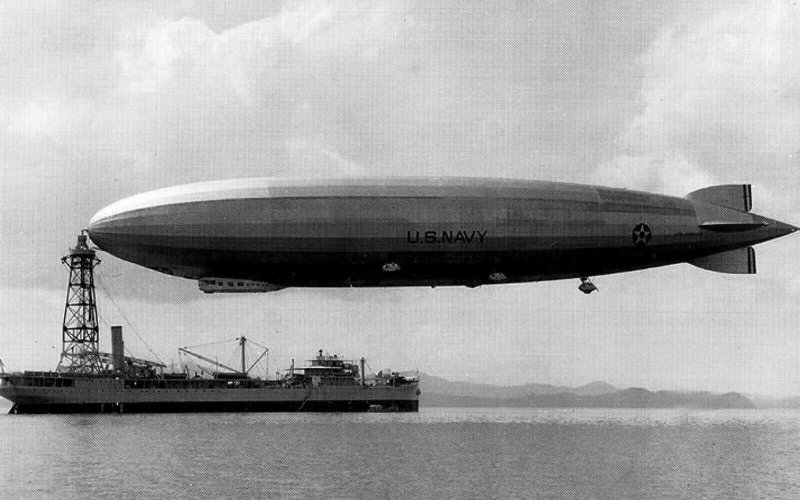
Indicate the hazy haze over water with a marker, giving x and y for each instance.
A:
(438, 453)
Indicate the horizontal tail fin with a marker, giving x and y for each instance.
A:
(739, 261)
(731, 227)
(735, 196)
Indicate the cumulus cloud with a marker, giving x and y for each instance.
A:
(177, 94)
(253, 91)
(187, 53)
(35, 118)
(721, 100)
(675, 176)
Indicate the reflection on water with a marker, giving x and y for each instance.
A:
(437, 453)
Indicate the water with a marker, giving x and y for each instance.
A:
(437, 453)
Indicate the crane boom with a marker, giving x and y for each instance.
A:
(207, 360)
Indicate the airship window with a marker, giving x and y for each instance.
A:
(240, 284)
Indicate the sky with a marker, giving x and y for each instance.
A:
(102, 100)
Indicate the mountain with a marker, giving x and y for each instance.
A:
(437, 391)
(435, 384)
(786, 402)
(594, 389)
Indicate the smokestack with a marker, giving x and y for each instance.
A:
(117, 349)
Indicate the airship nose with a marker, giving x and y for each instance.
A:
(101, 225)
(95, 223)
(95, 231)
(122, 232)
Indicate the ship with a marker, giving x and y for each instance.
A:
(328, 383)
(89, 381)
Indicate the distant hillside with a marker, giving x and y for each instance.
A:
(788, 402)
(594, 389)
(774, 401)
(435, 384)
(440, 392)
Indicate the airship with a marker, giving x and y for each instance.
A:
(266, 234)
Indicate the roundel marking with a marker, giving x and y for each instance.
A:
(641, 234)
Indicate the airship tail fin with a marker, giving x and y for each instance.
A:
(735, 196)
(739, 261)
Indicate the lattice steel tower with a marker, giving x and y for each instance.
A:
(81, 333)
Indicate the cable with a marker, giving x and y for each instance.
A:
(206, 344)
(130, 324)
(257, 344)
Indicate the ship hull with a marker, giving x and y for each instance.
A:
(216, 407)
(57, 394)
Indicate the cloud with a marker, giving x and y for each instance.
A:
(314, 159)
(675, 176)
(721, 100)
(187, 53)
(179, 93)
(35, 118)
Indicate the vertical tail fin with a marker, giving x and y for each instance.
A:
(735, 196)
(739, 261)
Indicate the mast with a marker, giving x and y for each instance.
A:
(243, 369)
(242, 341)
(80, 332)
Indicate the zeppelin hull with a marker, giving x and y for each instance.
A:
(408, 232)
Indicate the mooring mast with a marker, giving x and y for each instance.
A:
(80, 337)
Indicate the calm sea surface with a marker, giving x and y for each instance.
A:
(437, 453)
